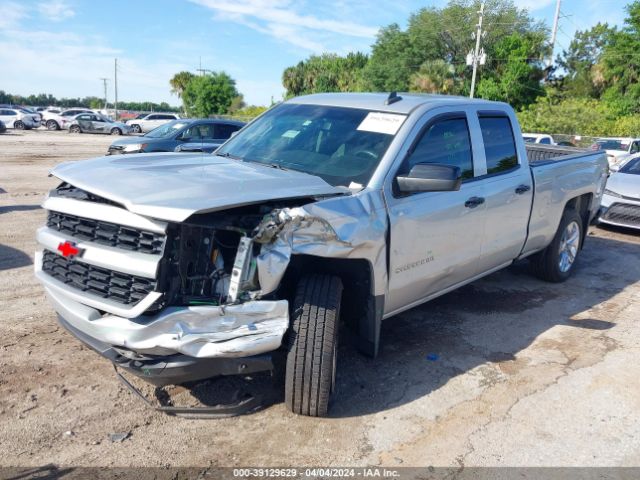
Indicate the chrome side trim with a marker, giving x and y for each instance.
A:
(106, 213)
(112, 258)
(92, 300)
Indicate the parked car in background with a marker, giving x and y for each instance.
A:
(621, 200)
(3, 127)
(19, 119)
(62, 119)
(195, 147)
(95, 123)
(541, 138)
(151, 121)
(618, 149)
(167, 137)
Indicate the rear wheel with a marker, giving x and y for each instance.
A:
(556, 262)
(313, 345)
(74, 129)
(52, 125)
(116, 131)
(19, 125)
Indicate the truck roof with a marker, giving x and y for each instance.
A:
(376, 101)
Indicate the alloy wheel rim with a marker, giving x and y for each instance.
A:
(569, 244)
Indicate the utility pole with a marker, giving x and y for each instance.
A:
(554, 33)
(115, 81)
(477, 57)
(104, 81)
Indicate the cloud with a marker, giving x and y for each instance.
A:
(12, 14)
(279, 19)
(56, 10)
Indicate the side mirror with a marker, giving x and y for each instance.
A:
(430, 177)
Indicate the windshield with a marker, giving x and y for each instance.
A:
(166, 129)
(340, 145)
(529, 139)
(632, 167)
(621, 145)
(140, 115)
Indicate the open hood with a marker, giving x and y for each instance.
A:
(172, 187)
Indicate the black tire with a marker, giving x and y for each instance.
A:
(52, 125)
(136, 128)
(75, 129)
(19, 125)
(116, 131)
(546, 264)
(312, 345)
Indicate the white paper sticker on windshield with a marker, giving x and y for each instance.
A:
(291, 133)
(378, 122)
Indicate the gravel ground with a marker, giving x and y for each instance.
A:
(508, 371)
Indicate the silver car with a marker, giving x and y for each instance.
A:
(94, 123)
(621, 199)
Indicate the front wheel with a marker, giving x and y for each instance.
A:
(74, 129)
(313, 345)
(556, 262)
(19, 125)
(52, 125)
(136, 129)
(116, 131)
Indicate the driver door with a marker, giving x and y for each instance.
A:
(436, 237)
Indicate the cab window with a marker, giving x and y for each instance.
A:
(499, 144)
(446, 142)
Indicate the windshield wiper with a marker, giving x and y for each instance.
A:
(228, 155)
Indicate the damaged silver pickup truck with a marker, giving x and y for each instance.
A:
(327, 210)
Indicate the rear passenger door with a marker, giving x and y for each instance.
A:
(508, 192)
(84, 121)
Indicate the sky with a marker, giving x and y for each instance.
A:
(65, 47)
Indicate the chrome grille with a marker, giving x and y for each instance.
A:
(115, 286)
(106, 233)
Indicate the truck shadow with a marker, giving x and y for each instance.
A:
(485, 323)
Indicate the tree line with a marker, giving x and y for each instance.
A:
(592, 87)
(45, 100)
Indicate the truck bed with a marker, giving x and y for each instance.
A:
(560, 174)
(540, 154)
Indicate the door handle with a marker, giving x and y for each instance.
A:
(522, 189)
(473, 202)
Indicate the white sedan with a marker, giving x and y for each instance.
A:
(19, 119)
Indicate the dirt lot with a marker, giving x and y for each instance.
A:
(507, 371)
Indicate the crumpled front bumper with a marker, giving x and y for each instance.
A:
(231, 331)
